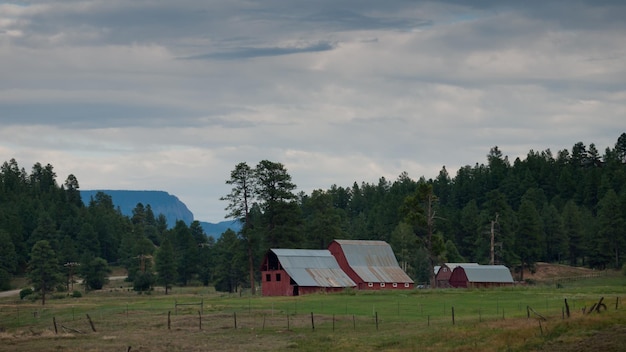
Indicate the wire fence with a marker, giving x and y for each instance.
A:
(341, 314)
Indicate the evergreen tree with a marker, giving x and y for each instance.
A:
(529, 244)
(243, 181)
(611, 236)
(572, 228)
(43, 269)
(229, 262)
(281, 213)
(165, 264)
(95, 272)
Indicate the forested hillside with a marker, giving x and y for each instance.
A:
(566, 207)
(160, 201)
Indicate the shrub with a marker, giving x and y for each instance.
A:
(76, 294)
(26, 292)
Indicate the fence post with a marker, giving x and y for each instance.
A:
(91, 323)
(376, 321)
(312, 322)
(452, 315)
(54, 321)
(169, 320)
(235, 319)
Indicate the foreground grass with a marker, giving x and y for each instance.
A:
(485, 320)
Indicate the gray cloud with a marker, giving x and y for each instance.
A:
(247, 53)
(338, 91)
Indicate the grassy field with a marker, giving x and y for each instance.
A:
(199, 319)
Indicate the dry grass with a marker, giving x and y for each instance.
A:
(124, 319)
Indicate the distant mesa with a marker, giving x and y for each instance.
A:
(161, 202)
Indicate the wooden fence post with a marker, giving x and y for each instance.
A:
(91, 323)
(235, 319)
(200, 320)
(312, 322)
(376, 321)
(169, 320)
(453, 315)
(54, 321)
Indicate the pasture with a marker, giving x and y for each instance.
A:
(199, 319)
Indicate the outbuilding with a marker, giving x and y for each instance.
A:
(443, 273)
(370, 264)
(481, 276)
(293, 272)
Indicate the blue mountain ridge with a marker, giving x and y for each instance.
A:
(161, 202)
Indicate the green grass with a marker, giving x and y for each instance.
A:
(485, 319)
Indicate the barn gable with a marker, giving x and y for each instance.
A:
(371, 264)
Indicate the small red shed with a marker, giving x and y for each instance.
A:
(370, 264)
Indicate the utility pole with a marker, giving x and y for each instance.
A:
(493, 223)
(142, 258)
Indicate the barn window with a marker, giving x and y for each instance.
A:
(406, 284)
(382, 284)
(395, 284)
(268, 277)
(370, 284)
(278, 277)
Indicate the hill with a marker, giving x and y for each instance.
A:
(161, 202)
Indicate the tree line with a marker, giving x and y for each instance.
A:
(568, 207)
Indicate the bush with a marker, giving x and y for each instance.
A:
(26, 292)
(77, 294)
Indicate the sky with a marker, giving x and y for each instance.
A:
(172, 95)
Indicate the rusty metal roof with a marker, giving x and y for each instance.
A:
(373, 261)
(488, 273)
(453, 266)
(314, 268)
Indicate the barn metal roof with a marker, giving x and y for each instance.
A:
(314, 268)
(488, 273)
(453, 266)
(373, 261)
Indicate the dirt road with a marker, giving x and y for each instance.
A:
(12, 293)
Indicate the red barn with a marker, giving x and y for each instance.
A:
(370, 264)
(481, 276)
(443, 273)
(293, 272)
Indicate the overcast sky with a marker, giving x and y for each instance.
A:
(171, 95)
